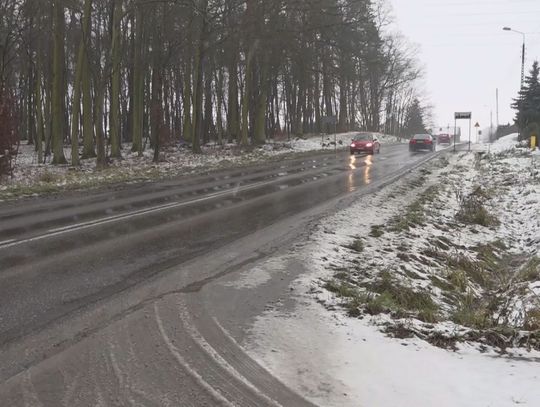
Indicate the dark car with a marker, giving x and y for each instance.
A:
(422, 142)
(444, 139)
(365, 143)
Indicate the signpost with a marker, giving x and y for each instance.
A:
(462, 116)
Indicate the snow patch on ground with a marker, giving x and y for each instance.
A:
(335, 360)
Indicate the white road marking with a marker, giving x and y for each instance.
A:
(98, 222)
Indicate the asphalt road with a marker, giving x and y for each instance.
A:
(94, 285)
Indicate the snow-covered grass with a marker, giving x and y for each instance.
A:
(457, 244)
(32, 178)
(406, 303)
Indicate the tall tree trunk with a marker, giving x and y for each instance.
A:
(39, 110)
(86, 87)
(58, 87)
(343, 104)
(197, 98)
(198, 70)
(116, 56)
(187, 130)
(219, 106)
(208, 121)
(233, 119)
(259, 135)
(138, 83)
(246, 99)
(76, 107)
(101, 159)
(30, 110)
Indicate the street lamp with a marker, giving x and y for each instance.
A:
(522, 53)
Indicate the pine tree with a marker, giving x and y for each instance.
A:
(414, 123)
(528, 103)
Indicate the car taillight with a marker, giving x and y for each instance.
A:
(428, 141)
(413, 141)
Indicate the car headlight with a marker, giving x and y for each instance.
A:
(353, 145)
(369, 145)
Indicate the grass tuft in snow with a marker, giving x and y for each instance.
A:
(414, 215)
(531, 270)
(377, 231)
(473, 210)
(387, 295)
(357, 245)
(472, 312)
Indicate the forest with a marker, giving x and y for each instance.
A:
(101, 76)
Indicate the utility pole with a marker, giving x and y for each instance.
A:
(491, 126)
(523, 63)
(497, 102)
(522, 53)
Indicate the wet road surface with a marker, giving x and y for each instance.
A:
(70, 269)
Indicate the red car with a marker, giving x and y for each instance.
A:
(422, 142)
(444, 139)
(365, 143)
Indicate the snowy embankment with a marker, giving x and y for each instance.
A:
(435, 301)
(32, 178)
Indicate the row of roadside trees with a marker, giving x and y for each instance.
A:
(95, 74)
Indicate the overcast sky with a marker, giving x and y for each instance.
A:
(466, 54)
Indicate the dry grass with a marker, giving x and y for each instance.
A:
(377, 231)
(414, 214)
(473, 210)
(531, 270)
(357, 245)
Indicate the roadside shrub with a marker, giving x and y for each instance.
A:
(473, 212)
(472, 312)
(9, 137)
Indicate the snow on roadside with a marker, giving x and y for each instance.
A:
(329, 141)
(335, 360)
(32, 178)
(464, 248)
(505, 143)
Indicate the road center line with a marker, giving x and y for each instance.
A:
(111, 219)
